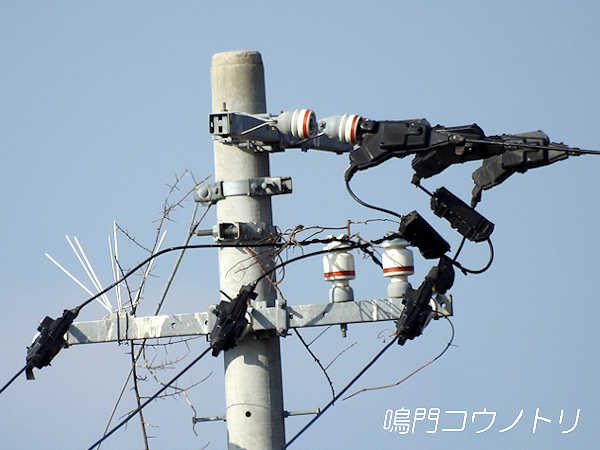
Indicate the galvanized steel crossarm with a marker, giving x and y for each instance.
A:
(122, 327)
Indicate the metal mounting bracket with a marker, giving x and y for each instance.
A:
(245, 231)
(208, 194)
(442, 304)
(239, 129)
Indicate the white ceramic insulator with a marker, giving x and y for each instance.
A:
(300, 123)
(398, 264)
(341, 128)
(338, 264)
(305, 122)
(397, 259)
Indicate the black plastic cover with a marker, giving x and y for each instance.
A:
(452, 145)
(231, 321)
(496, 169)
(420, 234)
(417, 309)
(461, 216)
(382, 140)
(49, 341)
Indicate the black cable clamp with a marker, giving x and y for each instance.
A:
(417, 311)
(231, 321)
(49, 341)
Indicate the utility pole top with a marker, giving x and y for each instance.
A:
(232, 74)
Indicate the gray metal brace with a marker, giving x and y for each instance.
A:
(280, 318)
(208, 194)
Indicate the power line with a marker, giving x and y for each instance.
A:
(351, 244)
(193, 226)
(342, 392)
(361, 373)
(15, 376)
(150, 399)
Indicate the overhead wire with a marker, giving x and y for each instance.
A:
(168, 384)
(414, 372)
(342, 392)
(477, 271)
(160, 253)
(351, 244)
(362, 372)
(15, 376)
(193, 226)
(149, 400)
(573, 151)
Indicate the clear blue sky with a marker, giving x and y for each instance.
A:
(103, 103)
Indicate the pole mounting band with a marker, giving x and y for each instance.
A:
(208, 194)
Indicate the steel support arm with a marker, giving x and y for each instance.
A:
(123, 327)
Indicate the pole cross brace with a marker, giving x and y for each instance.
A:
(122, 327)
(208, 194)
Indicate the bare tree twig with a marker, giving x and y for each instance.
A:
(323, 369)
(138, 398)
(340, 354)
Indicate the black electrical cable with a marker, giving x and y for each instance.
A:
(478, 271)
(150, 399)
(421, 367)
(573, 151)
(278, 266)
(195, 246)
(15, 376)
(342, 392)
(376, 208)
(351, 245)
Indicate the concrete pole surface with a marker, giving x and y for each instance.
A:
(253, 385)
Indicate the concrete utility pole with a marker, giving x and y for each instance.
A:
(253, 385)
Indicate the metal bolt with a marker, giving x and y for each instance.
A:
(203, 192)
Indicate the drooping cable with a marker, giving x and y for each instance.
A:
(478, 271)
(376, 208)
(198, 246)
